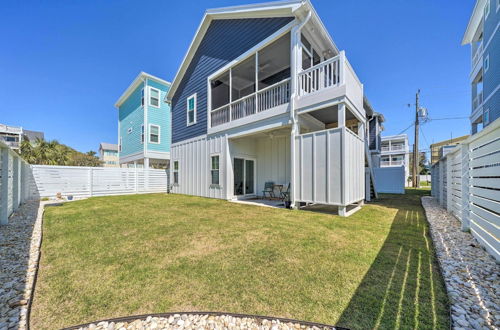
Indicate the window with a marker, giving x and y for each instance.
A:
(142, 96)
(309, 55)
(154, 97)
(176, 172)
(120, 144)
(191, 110)
(129, 130)
(215, 169)
(486, 117)
(486, 9)
(154, 134)
(486, 63)
(142, 133)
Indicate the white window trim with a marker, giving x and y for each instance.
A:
(149, 97)
(159, 135)
(175, 171)
(143, 134)
(486, 115)
(498, 5)
(486, 61)
(211, 169)
(194, 110)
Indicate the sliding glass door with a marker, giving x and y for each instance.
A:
(244, 176)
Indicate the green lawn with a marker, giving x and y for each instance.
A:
(116, 256)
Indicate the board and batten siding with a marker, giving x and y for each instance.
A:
(194, 166)
(223, 42)
(330, 167)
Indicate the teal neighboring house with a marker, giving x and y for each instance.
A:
(144, 130)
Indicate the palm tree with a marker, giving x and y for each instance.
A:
(28, 152)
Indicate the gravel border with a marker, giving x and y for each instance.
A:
(471, 275)
(201, 320)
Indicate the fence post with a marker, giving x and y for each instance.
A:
(465, 188)
(91, 181)
(15, 183)
(4, 199)
(136, 173)
(449, 182)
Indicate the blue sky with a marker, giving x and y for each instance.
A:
(63, 64)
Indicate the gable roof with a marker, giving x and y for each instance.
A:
(287, 8)
(474, 21)
(137, 81)
(108, 146)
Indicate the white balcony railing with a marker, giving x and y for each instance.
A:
(477, 101)
(264, 99)
(385, 148)
(476, 54)
(397, 147)
(323, 75)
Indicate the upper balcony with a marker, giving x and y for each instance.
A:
(260, 84)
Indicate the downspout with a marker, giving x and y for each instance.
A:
(293, 117)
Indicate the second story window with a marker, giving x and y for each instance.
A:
(142, 96)
(120, 145)
(142, 134)
(154, 97)
(154, 134)
(309, 55)
(191, 110)
(487, 9)
(487, 63)
(176, 172)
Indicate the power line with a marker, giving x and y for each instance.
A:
(449, 118)
(411, 125)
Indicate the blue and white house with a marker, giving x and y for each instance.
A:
(144, 123)
(483, 36)
(264, 95)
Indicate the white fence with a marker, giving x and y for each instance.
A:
(96, 181)
(20, 181)
(467, 183)
(14, 188)
(390, 180)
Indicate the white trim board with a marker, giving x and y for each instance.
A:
(137, 81)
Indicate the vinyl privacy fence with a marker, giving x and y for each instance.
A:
(14, 182)
(467, 183)
(96, 181)
(20, 181)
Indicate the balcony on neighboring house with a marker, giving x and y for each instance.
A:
(477, 52)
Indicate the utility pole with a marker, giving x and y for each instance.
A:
(415, 176)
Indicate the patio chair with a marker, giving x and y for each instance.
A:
(285, 195)
(269, 189)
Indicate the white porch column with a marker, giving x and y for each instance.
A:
(341, 115)
(146, 163)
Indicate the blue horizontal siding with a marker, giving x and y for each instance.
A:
(224, 41)
(491, 78)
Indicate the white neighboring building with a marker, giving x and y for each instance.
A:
(395, 151)
(14, 135)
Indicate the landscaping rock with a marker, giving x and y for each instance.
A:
(471, 275)
(203, 321)
(19, 251)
